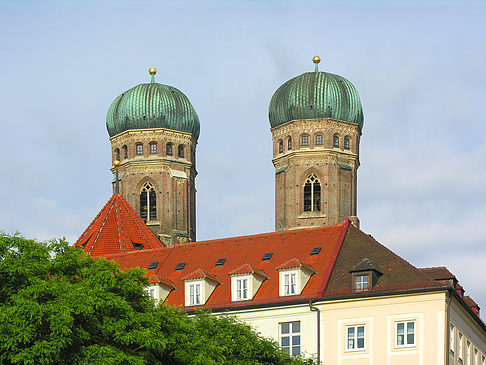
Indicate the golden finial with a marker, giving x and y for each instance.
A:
(116, 163)
(316, 59)
(152, 71)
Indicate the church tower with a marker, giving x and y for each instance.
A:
(316, 120)
(153, 132)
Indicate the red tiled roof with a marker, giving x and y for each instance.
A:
(115, 230)
(248, 269)
(470, 302)
(200, 274)
(241, 251)
(155, 279)
(294, 263)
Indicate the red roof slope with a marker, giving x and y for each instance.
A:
(239, 251)
(116, 229)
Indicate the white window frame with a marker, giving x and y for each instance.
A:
(194, 293)
(358, 285)
(460, 349)
(355, 338)
(292, 348)
(290, 283)
(406, 333)
(451, 338)
(242, 289)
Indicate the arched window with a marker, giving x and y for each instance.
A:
(139, 149)
(280, 146)
(125, 151)
(312, 194)
(117, 154)
(335, 141)
(305, 141)
(289, 143)
(346, 143)
(148, 200)
(319, 140)
(153, 148)
(168, 149)
(180, 151)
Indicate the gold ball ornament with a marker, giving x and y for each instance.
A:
(316, 59)
(116, 163)
(152, 71)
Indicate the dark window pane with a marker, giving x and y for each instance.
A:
(153, 149)
(168, 149)
(143, 205)
(307, 197)
(153, 211)
(295, 340)
(180, 151)
(346, 143)
(285, 341)
(289, 144)
(296, 350)
(280, 147)
(295, 327)
(317, 196)
(139, 149)
(335, 141)
(319, 140)
(285, 327)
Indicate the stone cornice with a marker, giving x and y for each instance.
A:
(311, 126)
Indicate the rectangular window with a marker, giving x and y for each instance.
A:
(139, 149)
(153, 149)
(451, 337)
(242, 289)
(355, 338)
(305, 141)
(290, 337)
(405, 333)
(194, 294)
(468, 353)
(361, 282)
(483, 360)
(476, 357)
(460, 346)
(290, 283)
(319, 140)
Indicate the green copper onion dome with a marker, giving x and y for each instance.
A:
(152, 106)
(315, 95)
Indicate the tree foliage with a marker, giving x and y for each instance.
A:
(60, 306)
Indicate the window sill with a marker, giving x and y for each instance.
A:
(307, 215)
(152, 223)
(405, 346)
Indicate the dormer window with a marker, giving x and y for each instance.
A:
(245, 282)
(365, 275)
(199, 285)
(293, 277)
(160, 288)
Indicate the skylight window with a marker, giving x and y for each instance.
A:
(137, 246)
(267, 256)
(153, 265)
(220, 262)
(315, 251)
(180, 266)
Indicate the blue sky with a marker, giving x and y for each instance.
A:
(418, 66)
